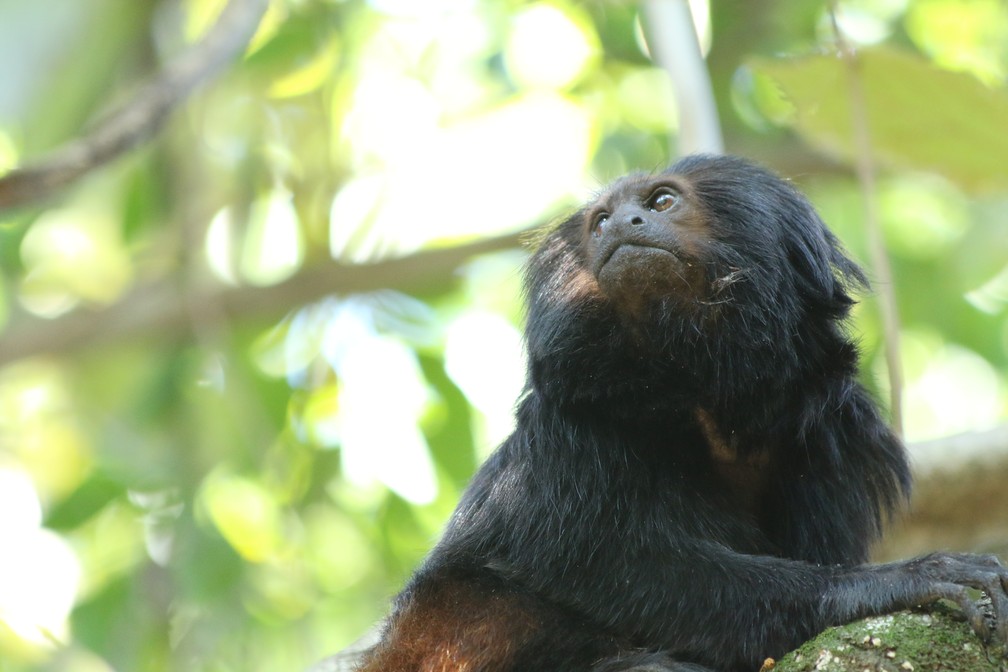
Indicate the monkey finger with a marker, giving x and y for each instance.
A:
(995, 587)
(958, 595)
(996, 600)
(999, 604)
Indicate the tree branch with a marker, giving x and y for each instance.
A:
(142, 115)
(959, 497)
(163, 310)
(674, 46)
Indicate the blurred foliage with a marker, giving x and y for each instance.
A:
(247, 496)
(817, 88)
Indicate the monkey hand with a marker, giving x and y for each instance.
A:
(942, 576)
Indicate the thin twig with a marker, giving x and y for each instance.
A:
(882, 270)
(142, 115)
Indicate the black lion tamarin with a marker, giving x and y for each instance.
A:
(696, 475)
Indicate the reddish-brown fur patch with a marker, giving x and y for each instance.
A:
(456, 626)
(744, 475)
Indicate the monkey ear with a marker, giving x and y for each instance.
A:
(826, 274)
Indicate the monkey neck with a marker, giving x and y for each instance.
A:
(668, 365)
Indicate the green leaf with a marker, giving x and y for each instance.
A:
(920, 116)
(88, 499)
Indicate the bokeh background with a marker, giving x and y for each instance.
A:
(247, 367)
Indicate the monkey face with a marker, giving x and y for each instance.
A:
(710, 238)
(714, 270)
(645, 238)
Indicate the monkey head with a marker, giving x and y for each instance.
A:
(715, 269)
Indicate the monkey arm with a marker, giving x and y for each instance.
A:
(741, 608)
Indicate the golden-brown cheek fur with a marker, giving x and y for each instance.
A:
(571, 282)
(581, 286)
(743, 473)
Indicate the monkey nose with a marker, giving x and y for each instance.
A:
(629, 215)
(631, 219)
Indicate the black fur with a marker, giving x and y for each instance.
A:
(695, 475)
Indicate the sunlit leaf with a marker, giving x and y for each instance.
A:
(992, 296)
(320, 410)
(74, 253)
(920, 116)
(959, 35)
(309, 76)
(245, 513)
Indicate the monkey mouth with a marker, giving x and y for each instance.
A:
(633, 273)
(635, 249)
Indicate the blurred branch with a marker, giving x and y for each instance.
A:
(959, 500)
(142, 115)
(672, 40)
(162, 311)
(880, 260)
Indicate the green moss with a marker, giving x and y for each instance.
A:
(902, 642)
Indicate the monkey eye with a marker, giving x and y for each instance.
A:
(663, 199)
(599, 221)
